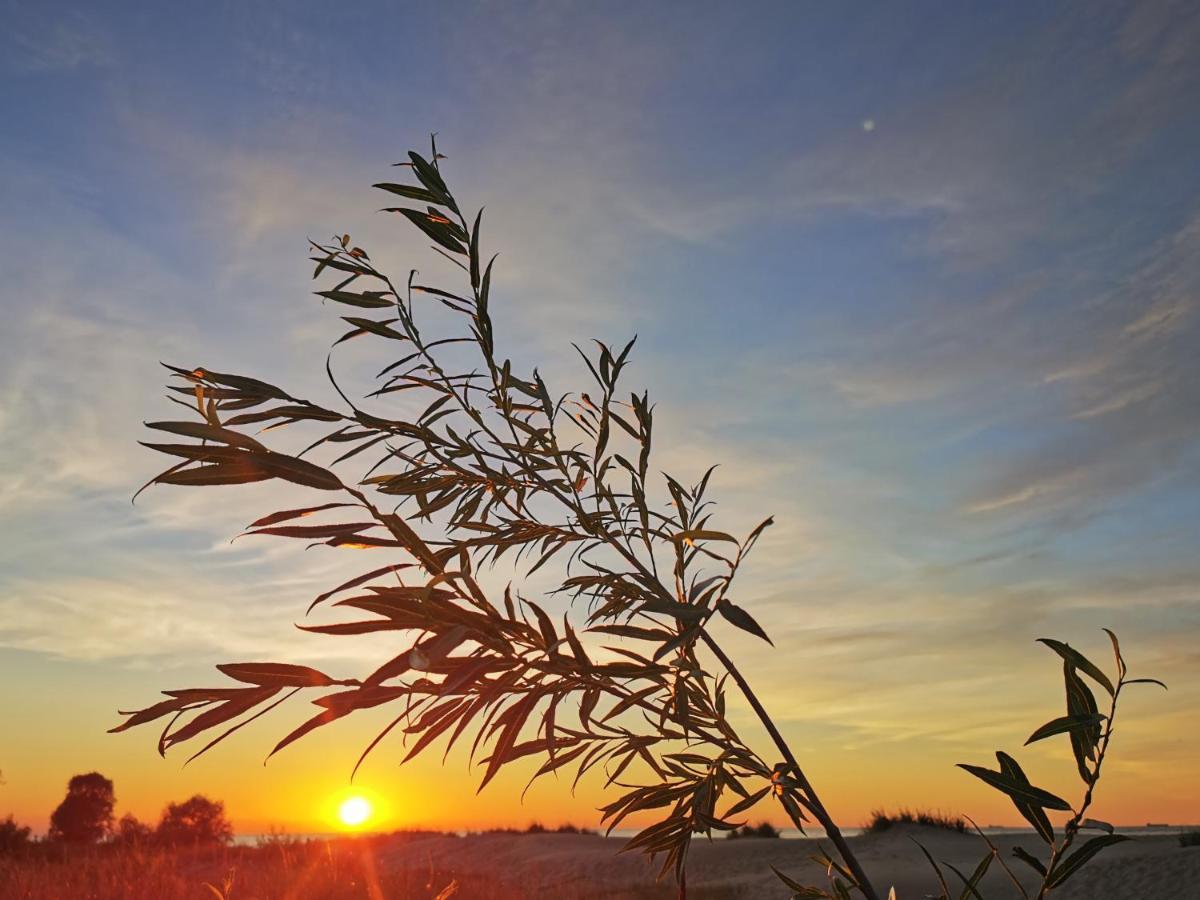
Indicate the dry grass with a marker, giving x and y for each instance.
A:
(281, 871)
(352, 869)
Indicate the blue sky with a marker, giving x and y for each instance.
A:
(924, 279)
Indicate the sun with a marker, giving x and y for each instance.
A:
(354, 811)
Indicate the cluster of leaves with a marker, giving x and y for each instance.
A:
(13, 837)
(197, 821)
(485, 467)
(488, 466)
(1089, 732)
(86, 813)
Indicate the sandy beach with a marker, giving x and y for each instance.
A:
(584, 866)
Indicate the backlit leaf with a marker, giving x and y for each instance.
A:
(1018, 789)
(1081, 662)
(735, 615)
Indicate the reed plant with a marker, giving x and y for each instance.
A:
(620, 666)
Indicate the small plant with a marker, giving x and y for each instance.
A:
(1089, 732)
(1189, 839)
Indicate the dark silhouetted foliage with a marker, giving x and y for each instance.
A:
(761, 830)
(882, 821)
(13, 837)
(458, 463)
(197, 820)
(85, 815)
(133, 831)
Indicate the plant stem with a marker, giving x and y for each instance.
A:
(818, 809)
(814, 804)
(1072, 826)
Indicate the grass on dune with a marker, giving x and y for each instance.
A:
(881, 821)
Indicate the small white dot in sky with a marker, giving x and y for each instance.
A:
(868, 125)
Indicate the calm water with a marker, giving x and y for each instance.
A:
(791, 834)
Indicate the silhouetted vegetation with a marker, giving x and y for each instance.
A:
(488, 468)
(761, 830)
(1189, 839)
(132, 831)
(1089, 732)
(197, 820)
(882, 821)
(568, 828)
(85, 815)
(14, 838)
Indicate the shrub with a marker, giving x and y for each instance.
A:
(85, 815)
(132, 831)
(882, 821)
(197, 820)
(1189, 839)
(573, 829)
(761, 830)
(13, 837)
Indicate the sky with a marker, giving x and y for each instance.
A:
(924, 280)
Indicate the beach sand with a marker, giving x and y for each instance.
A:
(586, 866)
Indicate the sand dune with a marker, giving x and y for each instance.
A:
(582, 866)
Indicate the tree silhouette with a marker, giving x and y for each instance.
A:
(13, 837)
(133, 831)
(197, 820)
(86, 814)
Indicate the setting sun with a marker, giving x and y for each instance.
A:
(354, 811)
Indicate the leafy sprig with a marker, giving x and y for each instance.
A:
(490, 466)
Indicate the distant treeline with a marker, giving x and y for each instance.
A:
(86, 817)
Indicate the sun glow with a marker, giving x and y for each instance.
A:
(354, 811)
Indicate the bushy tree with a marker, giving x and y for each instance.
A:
(85, 815)
(132, 831)
(197, 820)
(13, 837)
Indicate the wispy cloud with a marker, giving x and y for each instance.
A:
(60, 43)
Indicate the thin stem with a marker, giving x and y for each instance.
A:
(575, 505)
(1000, 859)
(818, 809)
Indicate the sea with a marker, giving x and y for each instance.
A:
(1147, 830)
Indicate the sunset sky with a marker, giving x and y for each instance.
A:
(924, 281)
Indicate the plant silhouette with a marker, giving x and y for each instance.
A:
(85, 815)
(197, 820)
(491, 468)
